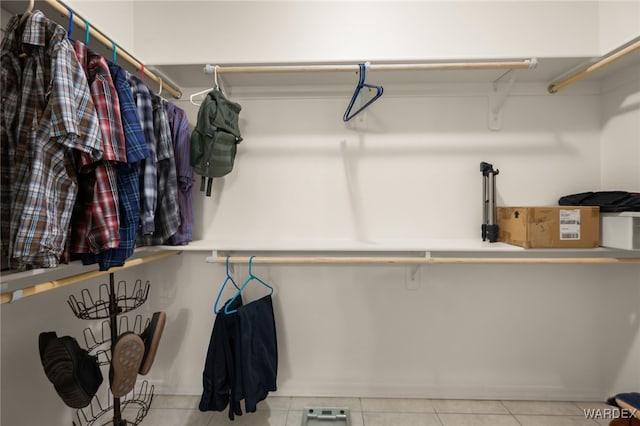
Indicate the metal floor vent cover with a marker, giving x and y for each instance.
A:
(326, 416)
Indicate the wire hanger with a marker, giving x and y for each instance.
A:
(251, 278)
(229, 278)
(361, 84)
(216, 85)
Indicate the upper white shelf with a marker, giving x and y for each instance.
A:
(193, 75)
(547, 69)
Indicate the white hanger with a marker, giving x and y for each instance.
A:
(160, 91)
(27, 12)
(215, 87)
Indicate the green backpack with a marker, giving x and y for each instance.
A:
(214, 139)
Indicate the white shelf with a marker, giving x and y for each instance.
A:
(193, 75)
(439, 245)
(346, 245)
(431, 247)
(10, 281)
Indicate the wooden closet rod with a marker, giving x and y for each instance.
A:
(419, 260)
(607, 59)
(51, 285)
(121, 53)
(527, 63)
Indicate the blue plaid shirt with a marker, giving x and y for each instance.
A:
(127, 174)
(149, 174)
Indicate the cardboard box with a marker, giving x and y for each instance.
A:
(620, 230)
(549, 227)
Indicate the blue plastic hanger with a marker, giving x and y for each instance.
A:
(70, 30)
(114, 59)
(361, 84)
(251, 278)
(87, 31)
(229, 278)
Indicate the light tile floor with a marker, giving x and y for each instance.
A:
(287, 411)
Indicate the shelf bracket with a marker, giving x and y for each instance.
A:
(498, 97)
(412, 274)
(212, 258)
(412, 277)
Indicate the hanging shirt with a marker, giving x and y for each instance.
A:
(127, 174)
(47, 113)
(167, 217)
(96, 218)
(181, 145)
(148, 173)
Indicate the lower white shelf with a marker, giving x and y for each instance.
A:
(381, 246)
(433, 251)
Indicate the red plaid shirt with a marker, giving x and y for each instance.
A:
(96, 220)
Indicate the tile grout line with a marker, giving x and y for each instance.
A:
(361, 412)
(509, 411)
(438, 416)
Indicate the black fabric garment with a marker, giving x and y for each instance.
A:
(242, 358)
(219, 375)
(258, 351)
(631, 398)
(608, 201)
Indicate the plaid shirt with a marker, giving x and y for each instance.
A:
(181, 143)
(135, 142)
(127, 174)
(167, 218)
(95, 224)
(47, 113)
(148, 176)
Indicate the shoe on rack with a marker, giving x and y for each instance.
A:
(74, 373)
(151, 337)
(126, 357)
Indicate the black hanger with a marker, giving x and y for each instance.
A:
(348, 115)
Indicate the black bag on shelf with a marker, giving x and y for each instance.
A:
(608, 201)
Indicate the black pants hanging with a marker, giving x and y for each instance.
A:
(219, 375)
(242, 358)
(258, 354)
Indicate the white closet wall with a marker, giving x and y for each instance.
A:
(310, 31)
(620, 133)
(409, 168)
(619, 23)
(412, 173)
(116, 19)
